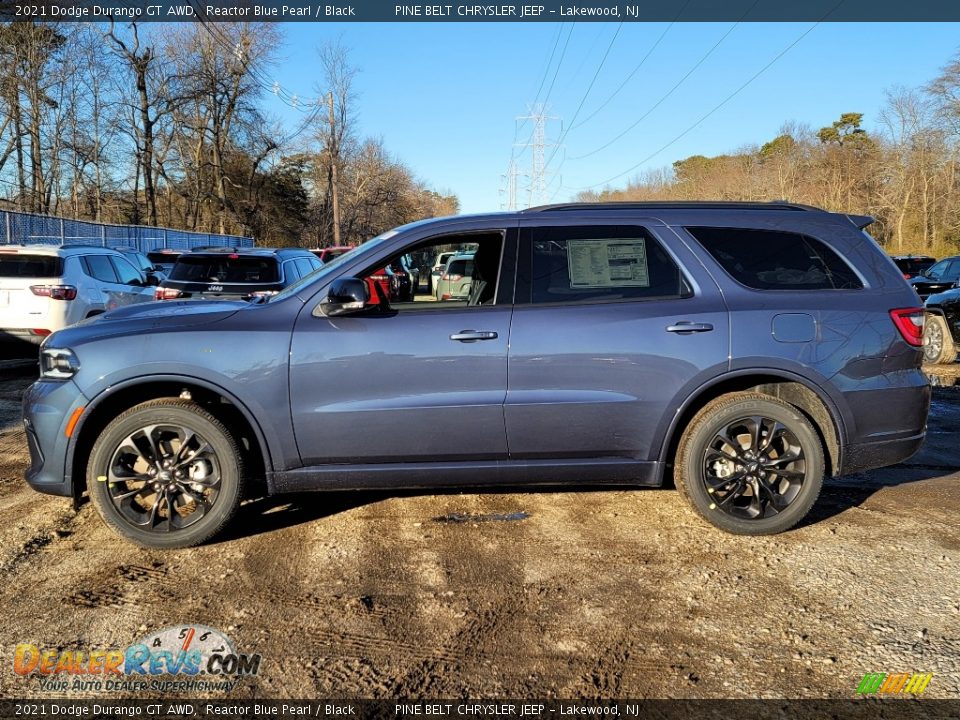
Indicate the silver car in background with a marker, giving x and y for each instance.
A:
(455, 278)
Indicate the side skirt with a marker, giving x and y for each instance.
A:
(426, 475)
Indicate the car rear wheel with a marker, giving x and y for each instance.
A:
(938, 347)
(750, 464)
(166, 474)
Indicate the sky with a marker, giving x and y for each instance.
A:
(444, 97)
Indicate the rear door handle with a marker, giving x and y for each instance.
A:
(685, 326)
(474, 335)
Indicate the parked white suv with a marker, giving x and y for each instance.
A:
(44, 288)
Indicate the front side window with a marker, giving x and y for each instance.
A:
(598, 264)
(470, 277)
(776, 260)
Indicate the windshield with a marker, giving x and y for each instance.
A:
(333, 264)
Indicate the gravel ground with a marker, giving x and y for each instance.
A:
(583, 594)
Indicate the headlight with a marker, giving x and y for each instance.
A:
(58, 363)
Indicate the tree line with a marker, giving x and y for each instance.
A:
(905, 172)
(165, 125)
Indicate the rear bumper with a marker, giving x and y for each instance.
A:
(869, 456)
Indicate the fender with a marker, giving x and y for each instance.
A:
(145, 379)
(693, 397)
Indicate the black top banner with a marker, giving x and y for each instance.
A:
(535, 11)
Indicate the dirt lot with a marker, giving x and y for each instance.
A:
(592, 594)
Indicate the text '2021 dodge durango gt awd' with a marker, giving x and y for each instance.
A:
(748, 349)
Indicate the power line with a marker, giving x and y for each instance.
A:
(714, 109)
(546, 70)
(563, 54)
(603, 60)
(634, 71)
(662, 99)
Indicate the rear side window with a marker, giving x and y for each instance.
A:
(307, 265)
(775, 260)
(30, 266)
(100, 268)
(225, 270)
(125, 271)
(600, 264)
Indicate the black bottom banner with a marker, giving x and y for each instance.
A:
(866, 709)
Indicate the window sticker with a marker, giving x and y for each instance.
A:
(617, 262)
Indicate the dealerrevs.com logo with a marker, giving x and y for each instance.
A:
(158, 662)
(894, 683)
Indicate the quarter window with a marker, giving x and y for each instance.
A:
(600, 264)
(775, 260)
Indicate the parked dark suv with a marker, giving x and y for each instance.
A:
(235, 273)
(913, 265)
(746, 350)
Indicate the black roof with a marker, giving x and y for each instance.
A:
(281, 253)
(676, 205)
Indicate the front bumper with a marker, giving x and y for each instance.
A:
(47, 408)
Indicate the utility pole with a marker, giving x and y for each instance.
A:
(537, 190)
(334, 159)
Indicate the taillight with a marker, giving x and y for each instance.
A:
(162, 293)
(263, 293)
(55, 292)
(40, 332)
(906, 276)
(451, 278)
(909, 322)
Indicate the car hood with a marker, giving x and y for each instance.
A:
(947, 296)
(147, 317)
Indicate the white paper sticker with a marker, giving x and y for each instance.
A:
(616, 262)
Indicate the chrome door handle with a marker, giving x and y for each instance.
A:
(474, 335)
(685, 326)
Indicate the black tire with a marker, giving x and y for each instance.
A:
(175, 486)
(938, 346)
(750, 464)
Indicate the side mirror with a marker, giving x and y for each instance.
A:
(152, 280)
(346, 295)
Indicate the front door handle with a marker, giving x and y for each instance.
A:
(685, 326)
(474, 335)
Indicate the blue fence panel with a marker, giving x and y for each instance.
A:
(18, 228)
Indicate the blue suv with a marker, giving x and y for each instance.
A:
(747, 350)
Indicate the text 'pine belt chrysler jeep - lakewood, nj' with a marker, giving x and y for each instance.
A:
(748, 350)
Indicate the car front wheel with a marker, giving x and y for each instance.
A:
(750, 464)
(166, 474)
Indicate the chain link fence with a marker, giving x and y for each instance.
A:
(17, 228)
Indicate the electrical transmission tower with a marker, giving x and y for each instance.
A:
(537, 189)
(513, 172)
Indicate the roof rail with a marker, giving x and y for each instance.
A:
(676, 205)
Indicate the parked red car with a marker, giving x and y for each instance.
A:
(329, 253)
